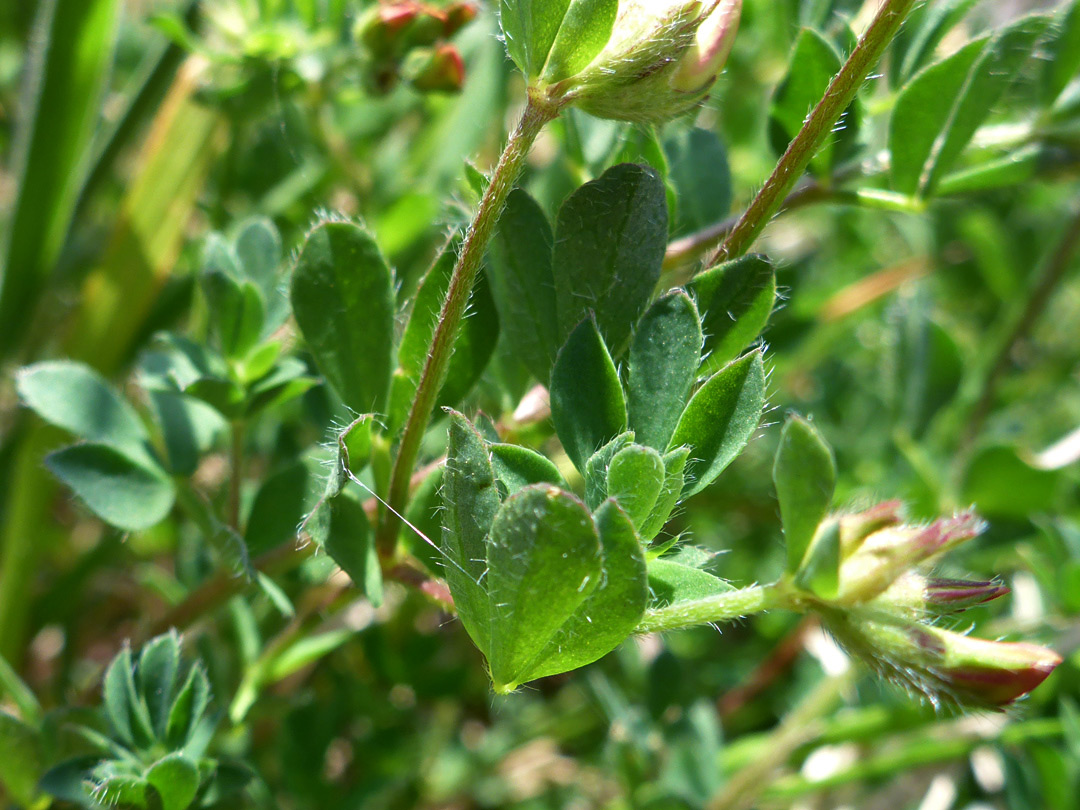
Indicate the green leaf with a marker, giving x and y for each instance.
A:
(349, 542)
(518, 467)
(237, 311)
(1062, 63)
(735, 299)
(635, 479)
(159, 665)
(473, 346)
(596, 469)
(929, 367)
(938, 112)
(188, 708)
(472, 499)
(122, 791)
(343, 300)
(804, 472)
(670, 493)
(820, 570)
(613, 609)
(609, 249)
(664, 358)
(176, 780)
(585, 30)
(522, 283)
(121, 490)
(66, 70)
(125, 708)
(925, 29)
(698, 169)
(22, 760)
(587, 404)
(76, 398)
(544, 561)
(672, 582)
(282, 502)
(189, 427)
(720, 419)
(1003, 484)
(814, 62)
(258, 251)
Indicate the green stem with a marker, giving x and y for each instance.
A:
(468, 264)
(236, 473)
(720, 608)
(818, 127)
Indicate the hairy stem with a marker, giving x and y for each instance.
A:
(236, 473)
(468, 264)
(722, 607)
(817, 129)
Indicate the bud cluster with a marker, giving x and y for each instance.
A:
(409, 40)
(866, 574)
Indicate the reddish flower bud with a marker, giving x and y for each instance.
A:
(993, 672)
(952, 595)
(458, 15)
(435, 70)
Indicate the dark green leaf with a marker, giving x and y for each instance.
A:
(283, 500)
(349, 542)
(124, 705)
(596, 469)
(609, 248)
(670, 493)
(76, 398)
(587, 403)
(159, 664)
(187, 710)
(517, 467)
(176, 780)
(735, 299)
(119, 489)
(613, 609)
(698, 169)
(635, 479)
(805, 476)
(189, 427)
(471, 499)
(544, 561)
(720, 419)
(664, 358)
(523, 285)
(236, 309)
(343, 300)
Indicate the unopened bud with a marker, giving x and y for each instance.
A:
(435, 70)
(952, 595)
(941, 665)
(886, 555)
(661, 59)
(994, 673)
(392, 28)
(458, 15)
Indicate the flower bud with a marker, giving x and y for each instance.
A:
(887, 554)
(994, 673)
(940, 664)
(916, 595)
(661, 59)
(391, 28)
(458, 15)
(435, 70)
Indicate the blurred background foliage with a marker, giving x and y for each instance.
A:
(936, 346)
